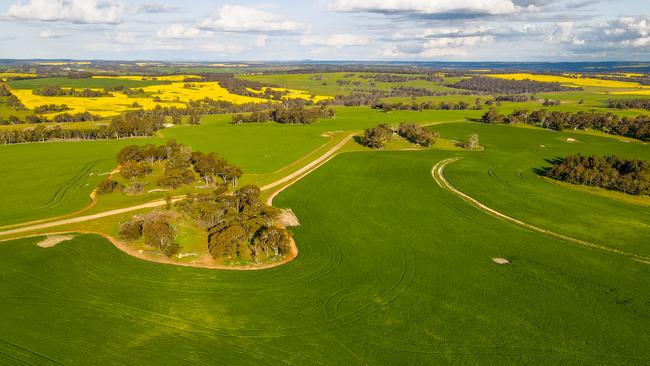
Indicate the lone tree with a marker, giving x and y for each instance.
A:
(472, 142)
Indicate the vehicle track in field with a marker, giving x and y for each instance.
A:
(438, 175)
(60, 193)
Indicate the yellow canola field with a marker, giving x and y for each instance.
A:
(171, 95)
(171, 78)
(177, 92)
(293, 94)
(4, 76)
(104, 106)
(570, 81)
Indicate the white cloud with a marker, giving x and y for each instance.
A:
(154, 8)
(260, 41)
(336, 41)
(179, 31)
(237, 18)
(72, 11)
(564, 33)
(47, 34)
(426, 7)
(442, 47)
(125, 37)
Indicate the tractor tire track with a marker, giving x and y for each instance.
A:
(438, 175)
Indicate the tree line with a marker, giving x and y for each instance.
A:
(130, 124)
(286, 113)
(637, 127)
(506, 86)
(381, 134)
(609, 172)
(628, 103)
(445, 106)
(57, 91)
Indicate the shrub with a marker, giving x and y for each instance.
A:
(107, 186)
(131, 230)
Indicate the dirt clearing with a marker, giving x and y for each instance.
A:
(500, 261)
(288, 218)
(53, 240)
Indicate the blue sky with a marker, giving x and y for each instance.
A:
(423, 30)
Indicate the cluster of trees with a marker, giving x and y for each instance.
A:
(447, 106)
(286, 113)
(155, 228)
(361, 97)
(50, 108)
(416, 134)
(629, 103)
(4, 91)
(239, 225)
(505, 86)
(130, 124)
(182, 165)
(57, 91)
(609, 172)
(15, 103)
(379, 135)
(638, 127)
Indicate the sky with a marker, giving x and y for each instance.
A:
(361, 30)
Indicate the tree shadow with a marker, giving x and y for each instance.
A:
(542, 171)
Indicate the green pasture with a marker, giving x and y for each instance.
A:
(42, 180)
(81, 83)
(505, 177)
(328, 85)
(392, 270)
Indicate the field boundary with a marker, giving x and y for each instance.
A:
(438, 175)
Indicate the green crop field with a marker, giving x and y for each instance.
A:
(411, 282)
(396, 264)
(81, 83)
(49, 179)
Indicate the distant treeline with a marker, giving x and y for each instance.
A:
(57, 91)
(629, 103)
(286, 113)
(369, 97)
(609, 172)
(446, 106)
(131, 124)
(638, 127)
(402, 78)
(505, 86)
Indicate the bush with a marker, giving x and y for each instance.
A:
(107, 186)
(131, 230)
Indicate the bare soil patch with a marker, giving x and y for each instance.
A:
(500, 261)
(52, 240)
(288, 218)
